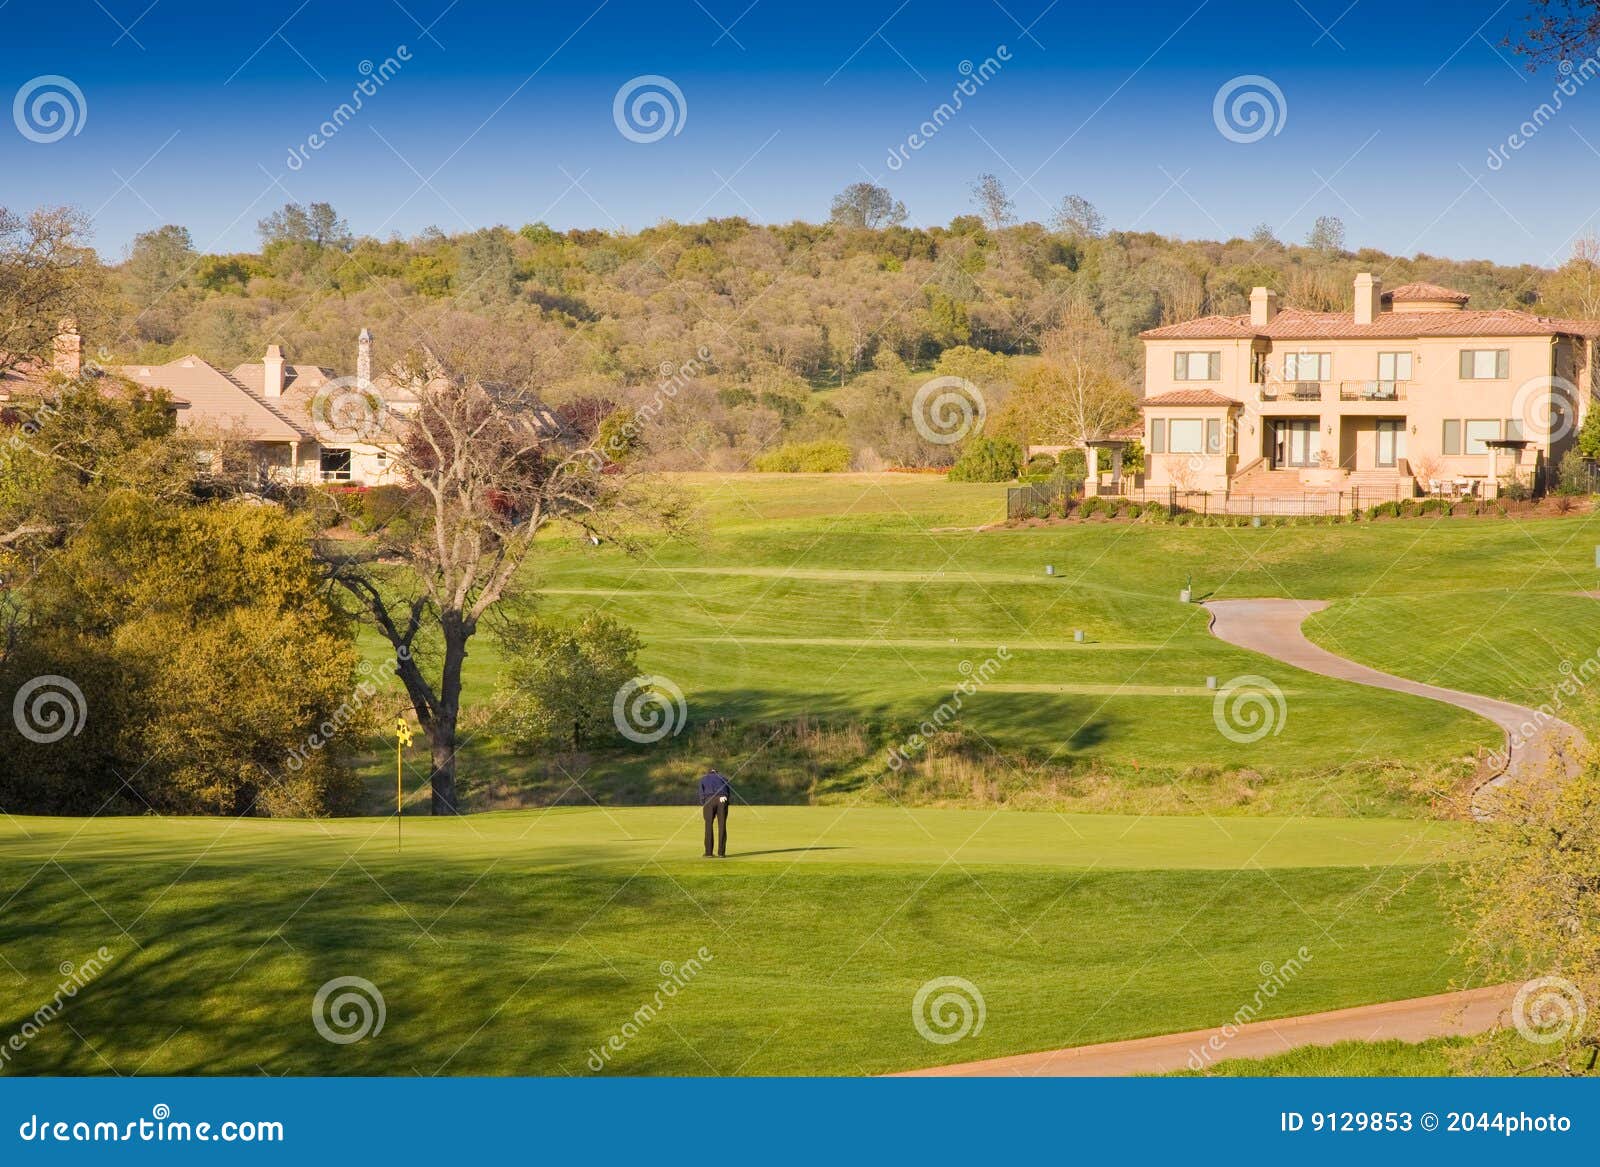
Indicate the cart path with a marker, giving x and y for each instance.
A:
(1272, 627)
(1443, 1015)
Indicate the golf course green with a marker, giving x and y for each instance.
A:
(518, 943)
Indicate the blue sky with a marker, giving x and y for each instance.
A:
(503, 114)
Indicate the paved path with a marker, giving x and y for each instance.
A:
(1272, 628)
(1444, 1015)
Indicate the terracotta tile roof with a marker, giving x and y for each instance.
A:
(1128, 432)
(1299, 324)
(1188, 397)
(1408, 293)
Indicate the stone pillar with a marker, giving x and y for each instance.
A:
(1091, 475)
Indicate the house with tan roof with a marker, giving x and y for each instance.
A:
(1409, 389)
(304, 423)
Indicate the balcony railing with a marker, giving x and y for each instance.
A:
(1292, 391)
(1379, 390)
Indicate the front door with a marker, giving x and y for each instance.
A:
(1390, 434)
(1295, 441)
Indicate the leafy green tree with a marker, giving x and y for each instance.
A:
(558, 680)
(1589, 436)
(485, 268)
(1531, 913)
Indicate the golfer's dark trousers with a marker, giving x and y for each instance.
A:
(716, 812)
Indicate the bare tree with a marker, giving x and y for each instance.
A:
(1077, 218)
(864, 204)
(46, 267)
(1557, 30)
(1080, 392)
(994, 204)
(492, 468)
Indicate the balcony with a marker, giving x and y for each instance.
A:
(1372, 390)
(1292, 391)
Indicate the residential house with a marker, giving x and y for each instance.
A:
(304, 423)
(1411, 388)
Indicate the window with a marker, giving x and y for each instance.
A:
(1308, 366)
(1158, 435)
(1394, 366)
(1514, 428)
(1258, 368)
(1197, 366)
(1485, 364)
(1187, 435)
(335, 465)
(1213, 435)
(1452, 437)
(1479, 432)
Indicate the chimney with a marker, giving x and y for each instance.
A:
(1263, 307)
(1369, 298)
(272, 372)
(69, 349)
(364, 358)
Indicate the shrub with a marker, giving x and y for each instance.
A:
(806, 458)
(1434, 506)
(987, 460)
(1573, 475)
(1155, 512)
(1090, 506)
(1384, 510)
(1515, 490)
(558, 681)
(1038, 467)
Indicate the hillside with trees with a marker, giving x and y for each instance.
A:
(761, 336)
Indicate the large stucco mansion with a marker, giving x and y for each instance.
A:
(1409, 390)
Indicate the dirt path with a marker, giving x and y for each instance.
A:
(1444, 1015)
(1272, 628)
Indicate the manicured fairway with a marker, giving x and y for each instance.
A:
(870, 598)
(516, 943)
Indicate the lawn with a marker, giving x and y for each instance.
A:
(865, 600)
(519, 942)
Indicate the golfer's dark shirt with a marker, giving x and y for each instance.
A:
(714, 785)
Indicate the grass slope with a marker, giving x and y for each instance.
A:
(517, 943)
(870, 598)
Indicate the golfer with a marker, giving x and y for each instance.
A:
(714, 795)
